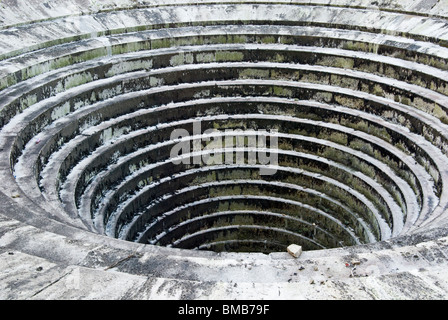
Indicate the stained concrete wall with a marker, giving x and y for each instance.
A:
(59, 57)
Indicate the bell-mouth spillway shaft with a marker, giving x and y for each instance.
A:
(227, 126)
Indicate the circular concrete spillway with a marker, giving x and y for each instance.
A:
(210, 135)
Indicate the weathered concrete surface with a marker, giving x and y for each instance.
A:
(50, 266)
(48, 252)
(91, 26)
(18, 13)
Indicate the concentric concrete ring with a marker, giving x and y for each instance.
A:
(336, 113)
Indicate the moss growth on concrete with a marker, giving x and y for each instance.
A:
(229, 56)
(182, 58)
(255, 74)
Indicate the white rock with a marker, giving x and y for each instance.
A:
(294, 250)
